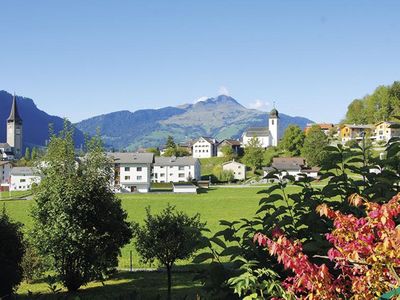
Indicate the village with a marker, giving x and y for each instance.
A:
(141, 170)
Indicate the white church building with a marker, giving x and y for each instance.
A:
(267, 136)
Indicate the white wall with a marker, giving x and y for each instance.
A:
(5, 173)
(238, 169)
(203, 149)
(273, 129)
(264, 140)
(23, 183)
(176, 173)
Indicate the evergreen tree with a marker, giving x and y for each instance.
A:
(78, 221)
(35, 153)
(170, 142)
(27, 154)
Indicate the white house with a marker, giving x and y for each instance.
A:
(238, 169)
(132, 171)
(267, 136)
(233, 144)
(175, 169)
(205, 147)
(22, 178)
(5, 174)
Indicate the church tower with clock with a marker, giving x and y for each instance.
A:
(14, 129)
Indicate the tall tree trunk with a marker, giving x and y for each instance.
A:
(169, 281)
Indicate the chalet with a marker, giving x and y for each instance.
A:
(234, 144)
(238, 169)
(385, 130)
(267, 136)
(350, 132)
(204, 147)
(175, 169)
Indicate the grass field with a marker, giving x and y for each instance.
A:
(213, 205)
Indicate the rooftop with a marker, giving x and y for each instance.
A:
(257, 131)
(131, 157)
(174, 161)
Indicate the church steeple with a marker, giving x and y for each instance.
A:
(14, 115)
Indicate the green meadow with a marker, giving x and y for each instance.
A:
(217, 203)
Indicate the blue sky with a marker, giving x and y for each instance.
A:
(78, 59)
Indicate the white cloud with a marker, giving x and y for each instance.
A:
(223, 90)
(259, 104)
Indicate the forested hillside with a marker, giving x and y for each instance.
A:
(382, 104)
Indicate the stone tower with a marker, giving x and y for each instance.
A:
(14, 129)
(273, 125)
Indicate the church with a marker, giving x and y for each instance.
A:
(12, 149)
(267, 136)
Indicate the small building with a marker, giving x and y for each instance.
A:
(22, 178)
(184, 188)
(234, 144)
(132, 171)
(238, 169)
(293, 166)
(5, 173)
(350, 132)
(385, 130)
(204, 147)
(6, 152)
(175, 169)
(325, 127)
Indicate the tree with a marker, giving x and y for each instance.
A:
(27, 154)
(11, 253)
(314, 144)
(365, 251)
(253, 154)
(78, 221)
(177, 151)
(292, 140)
(223, 175)
(170, 142)
(35, 153)
(227, 151)
(154, 150)
(167, 237)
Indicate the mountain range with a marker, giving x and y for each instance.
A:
(35, 122)
(220, 117)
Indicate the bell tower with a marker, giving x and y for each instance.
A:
(14, 129)
(273, 123)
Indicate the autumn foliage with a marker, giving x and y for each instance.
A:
(365, 254)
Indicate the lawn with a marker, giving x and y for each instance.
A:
(213, 205)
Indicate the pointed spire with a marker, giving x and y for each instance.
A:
(14, 115)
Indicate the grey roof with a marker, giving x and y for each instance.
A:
(229, 142)
(288, 163)
(257, 131)
(4, 145)
(175, 161)
(132, 158)
(233, 162)
(391, 124)
(14, 115)
(208, 139)
(23, 171)
(274, 113)
(354, 126)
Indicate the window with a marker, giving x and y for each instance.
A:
(239, 173)
(161, 167)
(272, 122)
(239, 167)
(181, 175)
(127, 169)
(138, 177)
(139, 169)
(127, 177)
(170, 174)
(22, 180)
(162, 175)
(181, 168)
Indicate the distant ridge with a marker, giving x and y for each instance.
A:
(220, 117)
(35, 122)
